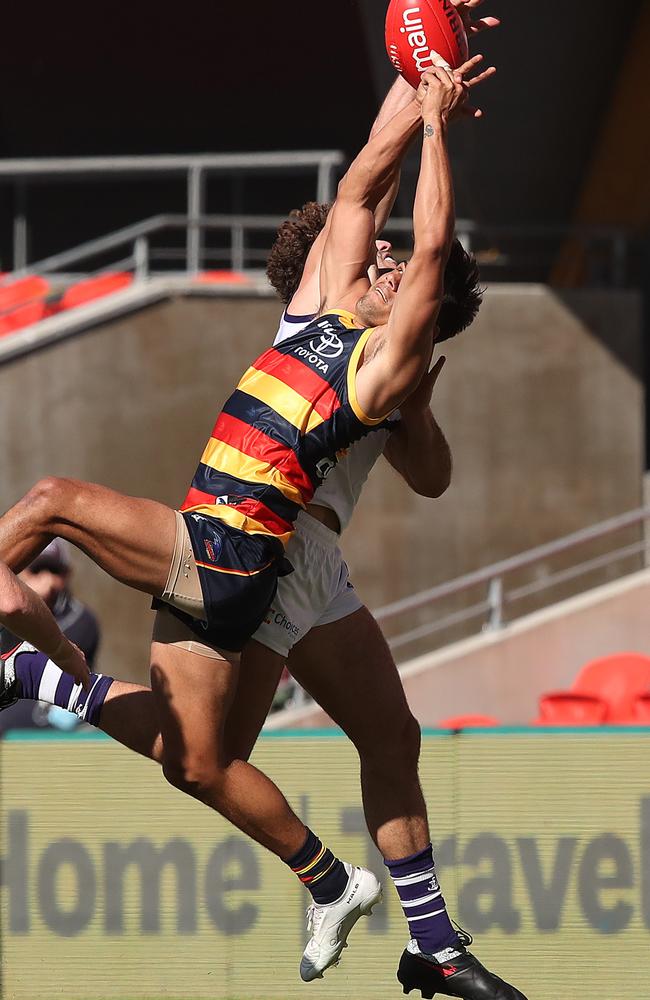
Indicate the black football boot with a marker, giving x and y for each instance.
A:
(462, 976)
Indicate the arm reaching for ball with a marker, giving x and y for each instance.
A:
(351, 233)
(398, 352)
(306, 300)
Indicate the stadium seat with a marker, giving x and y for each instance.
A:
(468, 722)
(222, 278)
(25, 290)
(25, 315)
(571, 709)
(613, 681)
(93, 288)
(641, 710)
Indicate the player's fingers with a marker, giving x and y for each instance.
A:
(444, 77)
(484, 24)
(439, 62)
(435, 371)
(469, 111)
(468, 66)
(485, 75)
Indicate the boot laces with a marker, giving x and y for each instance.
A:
(464, 937)
(314, 918)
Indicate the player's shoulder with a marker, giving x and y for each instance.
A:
(291, 325)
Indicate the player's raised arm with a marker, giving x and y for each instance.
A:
(306, 299)
(352, 222)
(398, 354)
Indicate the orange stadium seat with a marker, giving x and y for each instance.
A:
(571, 708)
(22, 316)
(222, 278)
(20, 292)
(93, 288)
(640, 710)
(468, 722)
(614, 682)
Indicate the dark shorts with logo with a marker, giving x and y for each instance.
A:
(239, 577)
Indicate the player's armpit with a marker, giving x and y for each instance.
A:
(346, 253)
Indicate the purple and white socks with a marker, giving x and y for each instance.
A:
(424, 906)
(41, 680)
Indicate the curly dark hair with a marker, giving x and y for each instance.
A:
(289, 253)
(462, 293)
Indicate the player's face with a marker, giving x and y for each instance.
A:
(383, 260)
(374, 308)
(385, 257)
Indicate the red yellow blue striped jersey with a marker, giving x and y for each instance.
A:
(284, 428)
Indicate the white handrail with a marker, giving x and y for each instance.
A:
(500, 569)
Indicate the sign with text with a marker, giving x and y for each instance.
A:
(114, 885)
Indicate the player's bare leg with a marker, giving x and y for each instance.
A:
(131, 539)
(348, 669)
(193, 695)
(129, 717)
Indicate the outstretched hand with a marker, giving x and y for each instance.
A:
(473, 27)
(445, 91)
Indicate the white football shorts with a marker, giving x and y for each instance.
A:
(318, 591)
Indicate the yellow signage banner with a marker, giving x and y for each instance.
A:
(114, 885)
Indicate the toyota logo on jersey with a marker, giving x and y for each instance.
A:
(329, 345)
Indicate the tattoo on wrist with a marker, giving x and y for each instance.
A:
(429, 131)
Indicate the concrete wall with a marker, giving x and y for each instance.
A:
(543, 414)
(503, 673)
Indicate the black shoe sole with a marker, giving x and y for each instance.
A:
(407, 986)
(425, 995)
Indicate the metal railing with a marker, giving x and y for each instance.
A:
(238, 254)
(138, 240)
(494, 580)
(196, 169)
(517, 252)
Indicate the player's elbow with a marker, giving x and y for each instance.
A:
(357, 188)
(431, 482)
(436, 487)
(13, 602)
(431, 249)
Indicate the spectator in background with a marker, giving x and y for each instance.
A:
(49, 575)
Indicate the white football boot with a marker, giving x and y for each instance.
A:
(10, 690)
(330, 923)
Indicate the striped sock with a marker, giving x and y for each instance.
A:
(424, 905)
(320, 872)
(42, 680)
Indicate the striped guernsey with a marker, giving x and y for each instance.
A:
(290, 419)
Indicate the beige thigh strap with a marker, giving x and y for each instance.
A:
(183, 587)
(171, 631)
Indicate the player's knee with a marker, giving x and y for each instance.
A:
(397, 752)
(194, 774)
